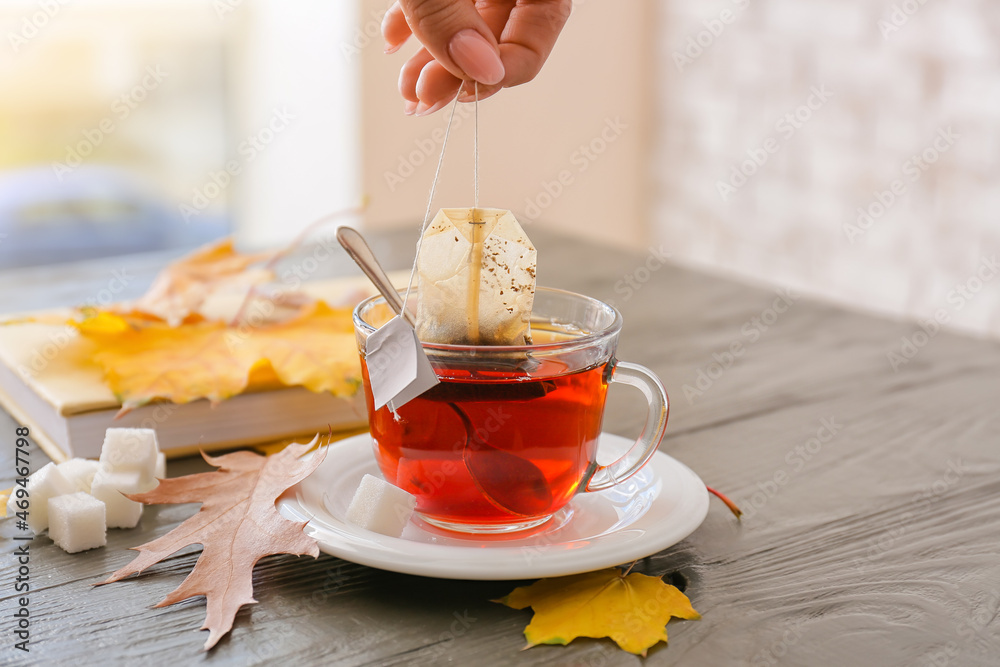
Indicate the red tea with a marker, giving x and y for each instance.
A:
(493, 447)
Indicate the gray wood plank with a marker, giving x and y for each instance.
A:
(877, 546)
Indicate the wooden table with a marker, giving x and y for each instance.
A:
(872, 497)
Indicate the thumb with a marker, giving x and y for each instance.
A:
(457, 36)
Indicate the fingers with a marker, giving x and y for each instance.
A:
(457, 36)
(410, 72)
(495, 14)
(499, 43)
(395, 30)
(425, 84)
(468, 93)
(530, 31)
(527, 40)
(436, 85)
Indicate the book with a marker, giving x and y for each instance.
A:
(49, 384)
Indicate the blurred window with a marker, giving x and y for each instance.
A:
(113, 114)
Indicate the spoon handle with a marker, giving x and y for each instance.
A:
(358, 249)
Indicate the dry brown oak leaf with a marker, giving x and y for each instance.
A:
(236, 526)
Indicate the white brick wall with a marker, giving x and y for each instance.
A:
(891, 97)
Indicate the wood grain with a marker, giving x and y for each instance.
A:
(875, 545)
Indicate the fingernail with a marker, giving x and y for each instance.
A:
(468, 99)
(386, 20)
(409, 107)
(423, 109)
(476, 57)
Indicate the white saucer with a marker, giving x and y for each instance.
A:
(658, 507)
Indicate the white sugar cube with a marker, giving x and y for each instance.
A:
(76, 522)
(79, 472)
(160, 471)
(130, 450)
(109, 486)
(46, 483)
(381, 507)
(12, 507)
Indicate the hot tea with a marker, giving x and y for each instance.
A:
(510, 432)
(493, 446)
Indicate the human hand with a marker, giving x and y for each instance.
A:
(497, 43)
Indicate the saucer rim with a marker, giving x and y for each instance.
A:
(449, 561)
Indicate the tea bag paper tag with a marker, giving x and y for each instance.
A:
(398, 368)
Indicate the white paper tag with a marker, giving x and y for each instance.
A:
(398, 368)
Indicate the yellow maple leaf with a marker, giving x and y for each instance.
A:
(145, 359)
(103, 322)
(316, 350)
(631, 609)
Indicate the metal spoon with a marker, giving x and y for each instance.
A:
(358, 249)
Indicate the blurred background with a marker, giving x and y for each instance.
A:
(846, 148)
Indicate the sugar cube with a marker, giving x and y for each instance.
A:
(381, 507)
(79, 472)
(14, 498)
(160, 470)
(47, 482)
(109, 486)
(130, 450)
(76, 522)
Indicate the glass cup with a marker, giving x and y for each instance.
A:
(510, 433)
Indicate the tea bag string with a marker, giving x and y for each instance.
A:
(475, 149)
(437, 175)
(430, 198)
(476, 251)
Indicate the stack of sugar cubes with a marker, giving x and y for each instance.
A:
(78, 500)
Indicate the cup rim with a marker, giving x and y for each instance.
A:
(613, 328)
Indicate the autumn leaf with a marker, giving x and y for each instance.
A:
(182, 287)
(211, 327)
(271, 448)
(631, 609)
(236, 526)
(180, 290)
(317, 350)
(144, 359)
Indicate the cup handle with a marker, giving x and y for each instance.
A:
(604, 477)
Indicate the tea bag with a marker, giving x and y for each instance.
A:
(476, 272)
